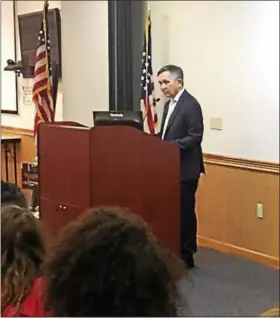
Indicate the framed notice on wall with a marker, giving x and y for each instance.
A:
(9, 89)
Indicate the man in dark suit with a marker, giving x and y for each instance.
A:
(182, 125)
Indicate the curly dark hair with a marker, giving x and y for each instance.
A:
(22, 254)
(11, 194)
(108, 263)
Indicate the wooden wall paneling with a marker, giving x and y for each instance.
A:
(26, 150)
(226, 203)
(226, 207)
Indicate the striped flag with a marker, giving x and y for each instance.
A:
(148, 101)
(43, 86)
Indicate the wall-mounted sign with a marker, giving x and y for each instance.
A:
(27, 95)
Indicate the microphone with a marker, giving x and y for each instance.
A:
(155, 100)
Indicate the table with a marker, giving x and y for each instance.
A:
(6, 141)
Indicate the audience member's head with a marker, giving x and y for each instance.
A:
(273, 312)
(11, 194)
(22, 254)
(108, 263)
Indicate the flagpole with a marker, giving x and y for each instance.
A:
(147, 74)
(148, 6)
(146, 36)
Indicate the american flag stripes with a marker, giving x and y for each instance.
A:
(148, 101)
(43, 88)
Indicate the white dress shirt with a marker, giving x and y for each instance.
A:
(171, 107)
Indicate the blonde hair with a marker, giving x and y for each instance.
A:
(273, 312)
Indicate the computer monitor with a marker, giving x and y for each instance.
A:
(120, 118)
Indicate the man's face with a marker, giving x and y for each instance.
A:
(169, 86)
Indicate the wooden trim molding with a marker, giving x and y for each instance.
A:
(209, 158)
(241, 163)
(17, 131)
(223, 247)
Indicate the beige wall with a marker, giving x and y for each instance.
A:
(25, 119)
(8, 83)
(229, 51)
(84, 87)
(85, 59)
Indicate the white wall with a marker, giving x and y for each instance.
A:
(85, 59)
(25, 119)
(85, 86)
(8, 81)
(229, 51)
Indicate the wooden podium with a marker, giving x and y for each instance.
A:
(81, 167)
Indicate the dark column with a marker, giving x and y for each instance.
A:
(126, 35)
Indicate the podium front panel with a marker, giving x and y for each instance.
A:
(64, 169)
(138, 171)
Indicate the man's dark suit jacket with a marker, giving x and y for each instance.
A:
(185, 129)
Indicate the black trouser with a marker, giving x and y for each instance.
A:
(188, 218)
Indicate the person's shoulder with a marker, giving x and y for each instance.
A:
(38, 284)
(191, 102)
(189, 97)
(33, 306)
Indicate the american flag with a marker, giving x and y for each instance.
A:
(43, 86)
(148, 101)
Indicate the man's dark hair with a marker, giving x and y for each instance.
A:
(174, 70)
(108, 263)
(11, 194)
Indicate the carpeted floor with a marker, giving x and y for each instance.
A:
(224, 285)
